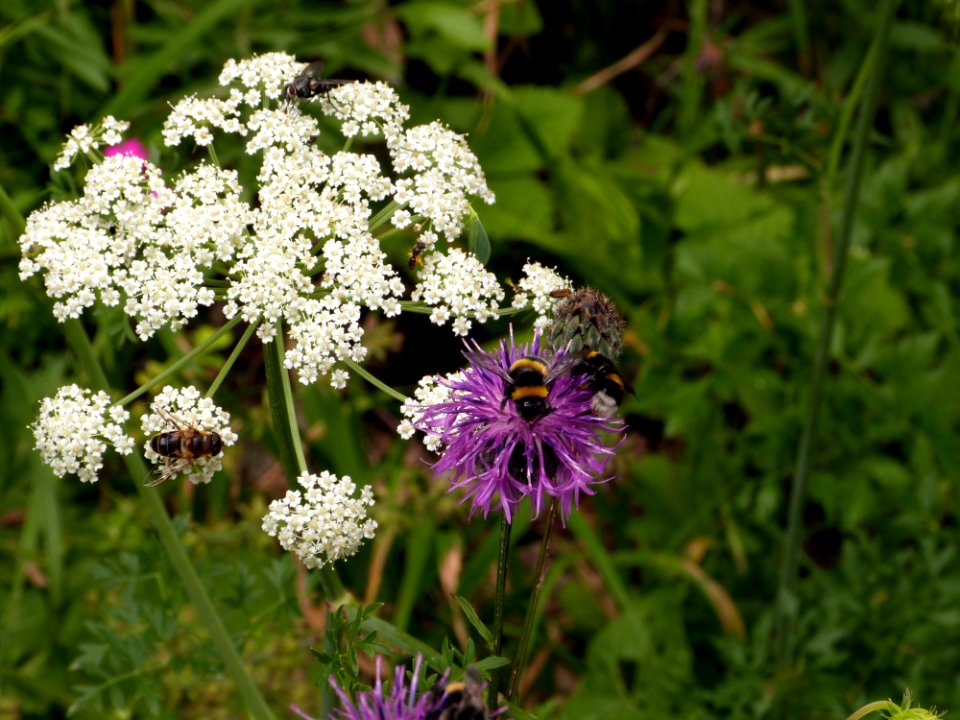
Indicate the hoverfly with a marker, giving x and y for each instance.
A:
(182, 447)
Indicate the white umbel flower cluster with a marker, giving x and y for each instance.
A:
(84, 139)
(366, 109)
(324, 522)
(431, 389)
(457, 285)
(75, 427)
(305, 253)
(444, 172)
(534, 291)
(183, 410)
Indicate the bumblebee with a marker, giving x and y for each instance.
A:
(525, 469)
(528, 387)
(460, 700)
(181, 447)
(309, 84)
(603, 379)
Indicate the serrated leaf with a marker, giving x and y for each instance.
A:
(474, 619)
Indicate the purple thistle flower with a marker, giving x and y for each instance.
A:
(401, 703)
(497, 455)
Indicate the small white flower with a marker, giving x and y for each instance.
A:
(84, 139)
(177, 409)
(75, 427)
(431, 389)
(269, 73)
(205, 223)
(194, 117)
(534, 290)
(323, 332)
(82, 245)
(457, 285)
(365, 108)
(323, 523)
(444, 172)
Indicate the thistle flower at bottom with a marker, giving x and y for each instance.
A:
(497, 454)
(401, 702)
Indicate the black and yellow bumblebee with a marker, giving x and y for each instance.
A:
(528, 386)
(603, 379)
(460, 700)
(180, 447)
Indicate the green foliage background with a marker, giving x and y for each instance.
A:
(699, 190)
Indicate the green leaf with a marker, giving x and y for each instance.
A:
(474, 619)
(477, 239)
(458, 25)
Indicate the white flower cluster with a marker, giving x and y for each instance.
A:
(74, 428)
(534, 290)
(131, 235)
(84, 139)
(323, 523)
(366, 109)
(183, 410)
(457, 285)
(304, 252)
(445, 172)
(430, 391)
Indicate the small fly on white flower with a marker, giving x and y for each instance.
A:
(309, 84)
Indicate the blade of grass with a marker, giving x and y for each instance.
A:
(786, 605)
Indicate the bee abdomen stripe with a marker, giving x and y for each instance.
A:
(538, 391)
(534, 364)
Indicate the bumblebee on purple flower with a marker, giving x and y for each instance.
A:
(518, 423)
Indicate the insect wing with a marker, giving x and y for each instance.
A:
(164, 472)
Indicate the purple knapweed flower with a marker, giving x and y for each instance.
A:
(401, 702)
(497, 455)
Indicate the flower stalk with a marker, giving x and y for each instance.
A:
(526, 635)
(503, 558)
(232, 661)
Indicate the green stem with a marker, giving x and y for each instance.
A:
(873, 707)
(381, 217)
(503, 558)
(180, 363)
(529, 621)
(373, 380)
(217, 381)
(424, 309)
(209, 619)
(332, 588)
(284, 414)
(786, 611)
(280, 396)
(213, 155)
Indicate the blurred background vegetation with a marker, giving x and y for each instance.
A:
(676, 156)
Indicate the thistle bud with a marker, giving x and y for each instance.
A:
(586, 319)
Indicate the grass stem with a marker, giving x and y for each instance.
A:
(786, 611)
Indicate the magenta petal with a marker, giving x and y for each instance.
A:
(130, 146)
